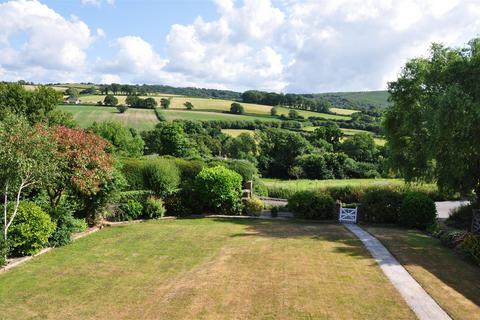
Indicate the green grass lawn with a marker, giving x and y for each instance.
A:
(205, 269)
(140, 119)
(452, 281)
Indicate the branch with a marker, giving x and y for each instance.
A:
(17, 204)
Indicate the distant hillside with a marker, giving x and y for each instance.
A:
(357, 100)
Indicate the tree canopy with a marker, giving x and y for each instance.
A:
(433, 127)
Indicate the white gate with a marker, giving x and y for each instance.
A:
(348, 215)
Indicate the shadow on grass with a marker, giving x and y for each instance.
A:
(330, 231)
(415, 248)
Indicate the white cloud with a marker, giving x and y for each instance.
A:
(49, 41)
(97, 3)
(294, 46)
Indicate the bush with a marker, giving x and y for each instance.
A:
(162, 177)
(66, 225)
(154, 208)
(461, 217)
(174, 205)
(30, 229)
(347, 194)
(132, 210)
(136, 195)
(132, 169)
(253, 207)
(219, 189)
(312, 205)
(382, 205)
(417, 211)
(471, 245)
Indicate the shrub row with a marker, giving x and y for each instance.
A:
(460, 240)
(139, 204)
(412, 209)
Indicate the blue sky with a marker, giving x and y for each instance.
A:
(281, 45)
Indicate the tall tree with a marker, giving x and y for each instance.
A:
(433, 127)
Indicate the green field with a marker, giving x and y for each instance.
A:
(361, 99)
(304, 184)
(205, 269)
(140, 119)
(174, 114)
(343, 112)
(236, 132)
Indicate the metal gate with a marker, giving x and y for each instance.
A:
(348, 215)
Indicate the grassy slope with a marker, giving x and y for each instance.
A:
(360, 99)
(208, 269)
(451, 281)
(236, 132)
(140, 119)
(343, 112)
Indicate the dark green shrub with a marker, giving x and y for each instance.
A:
(253, 206)
(136, 195)
(174, 205)
(461, 217)
(162, 177)
(132, 169)
(66, 225)
(30, 229)
(189, 169)
(245, 168)
(154, 208)
(132, 210)
(347, 194)
(381, 205)
(219, 189)
(312, 205)
(417, 211)
(471, 245)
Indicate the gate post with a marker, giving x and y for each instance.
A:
(476, 222)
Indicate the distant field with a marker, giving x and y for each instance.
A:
(140, 119)
(343, 112)
(173, 114)
(218, 105)
(361, 99)
(236, 132)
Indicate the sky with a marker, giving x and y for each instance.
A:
(304, 46)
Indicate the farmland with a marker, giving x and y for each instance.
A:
(140, 119)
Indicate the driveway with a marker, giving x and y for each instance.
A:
(444, 208)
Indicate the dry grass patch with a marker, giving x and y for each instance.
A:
(205, 269)
(453, 282)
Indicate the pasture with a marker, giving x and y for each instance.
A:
(236, 132)
(140, 119)
(205, 269)
(343, 112)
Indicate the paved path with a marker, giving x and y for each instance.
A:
(444, 208)
(419, 301)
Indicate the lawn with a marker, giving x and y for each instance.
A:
(140, 119)
(453, 282)
(205, 269)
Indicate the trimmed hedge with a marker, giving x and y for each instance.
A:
(162, 177)
(219, 189)
(253, 206)
(417, 211)
(30, 229)
(312, 205)
(471, 245)
(381, 205)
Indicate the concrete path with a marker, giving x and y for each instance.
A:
(444, 208)
(419, 301)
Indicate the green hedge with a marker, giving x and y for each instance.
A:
(312, 205)
(381, 205)
(136, 195)
(471, 245)
(417, 211)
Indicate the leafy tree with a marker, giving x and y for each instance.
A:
(125, 142)
(274, 112)
(25, 160)
(72, 92)
(81, 163)
(237, 108)
(150, 103)
(122, 108)
(34, 105)
(330, 133)
(132, 100)
(188, 105)
(110, 100)
(59, 117)
(165, 103)
(242, 147)
(168, 139)
(360, 147)
(293, 114)
(433, 129)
